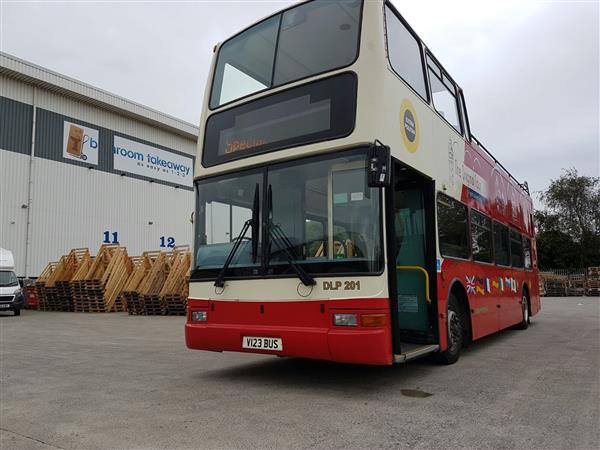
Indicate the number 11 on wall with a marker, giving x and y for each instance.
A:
(107, 236)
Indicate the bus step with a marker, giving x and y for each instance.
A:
(412, 351)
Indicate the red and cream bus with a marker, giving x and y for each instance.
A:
(345, 211)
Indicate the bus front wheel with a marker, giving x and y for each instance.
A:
(455, 331)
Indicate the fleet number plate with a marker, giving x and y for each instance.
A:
(262, 343)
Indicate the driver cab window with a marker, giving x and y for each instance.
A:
(326, 210)
(224, 207)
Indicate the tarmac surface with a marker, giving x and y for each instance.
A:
(76, 380)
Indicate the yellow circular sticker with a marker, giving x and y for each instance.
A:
(409, 126)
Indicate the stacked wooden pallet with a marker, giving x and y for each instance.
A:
(58, 290)
(40, 286)
(98, 288)
(576, 285)
(153, 283)
(175, 289)
(78, 284)
(542, 286)
(142, 266)
(593, 281)
(555, 285)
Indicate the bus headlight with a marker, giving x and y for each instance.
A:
(345, 320)
(199, 316)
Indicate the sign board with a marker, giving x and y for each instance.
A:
(141, 159)
(80, 143)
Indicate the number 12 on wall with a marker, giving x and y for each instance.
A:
(168, 242)
(107, 236)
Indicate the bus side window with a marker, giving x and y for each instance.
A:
(404, 51)
(527, 252)
(481, 237)
(516, 249)
(443, 93)
(453, 228)
(501, 244)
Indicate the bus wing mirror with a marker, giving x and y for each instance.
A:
(380, 164)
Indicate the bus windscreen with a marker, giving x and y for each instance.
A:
(305, 114)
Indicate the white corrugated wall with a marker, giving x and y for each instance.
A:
(14, 169)
(74, 206)
(96, 116)
(16, 90)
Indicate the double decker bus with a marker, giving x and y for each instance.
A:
(344, 209)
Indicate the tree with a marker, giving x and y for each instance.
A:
(568, 229)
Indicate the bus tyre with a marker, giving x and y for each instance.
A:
(455, 332)
(17, 312)
(524, 324)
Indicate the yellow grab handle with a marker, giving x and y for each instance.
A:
(424, 272)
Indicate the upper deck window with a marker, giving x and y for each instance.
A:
(405, 53)
(444, 95)
(312, 38)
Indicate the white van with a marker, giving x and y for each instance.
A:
(11, 294)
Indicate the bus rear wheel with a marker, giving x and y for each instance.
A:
(455, 331)
(524, 324)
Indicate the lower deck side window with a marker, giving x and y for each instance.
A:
(516, 249)
(501, 244)
(481, 237)
(453, 228)
(527, 252)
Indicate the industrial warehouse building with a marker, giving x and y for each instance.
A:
(80, 167)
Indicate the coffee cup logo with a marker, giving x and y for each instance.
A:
(75, 140)
(80, 143)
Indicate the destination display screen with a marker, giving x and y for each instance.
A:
(317, 111)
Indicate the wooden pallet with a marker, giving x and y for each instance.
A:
(40, 285)
(153, 305)
(175, 289)
(141, 266)
(175, 305)
(554, 285)
(97, 286)
(133, 303)
(58, 290)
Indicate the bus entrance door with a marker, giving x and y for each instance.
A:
(412, 279)
(412, 263)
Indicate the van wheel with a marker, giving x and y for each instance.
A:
(455, 331)
(17, 312)
(525, 310)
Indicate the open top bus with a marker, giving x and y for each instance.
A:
(344, 209)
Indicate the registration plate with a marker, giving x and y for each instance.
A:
(262, 343)
(4, 305)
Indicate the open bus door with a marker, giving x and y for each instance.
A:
(410, 203)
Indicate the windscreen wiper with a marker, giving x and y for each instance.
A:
(253, 222)
(276, 232)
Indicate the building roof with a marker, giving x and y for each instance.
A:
(16, 68)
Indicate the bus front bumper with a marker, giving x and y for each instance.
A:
(359, 345)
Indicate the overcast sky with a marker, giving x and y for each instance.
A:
(529, 68)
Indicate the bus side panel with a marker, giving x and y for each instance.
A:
(493, 293)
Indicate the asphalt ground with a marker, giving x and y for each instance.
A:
(76, 380)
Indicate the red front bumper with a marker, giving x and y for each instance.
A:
(306, 329)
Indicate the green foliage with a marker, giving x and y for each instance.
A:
(568, 230)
